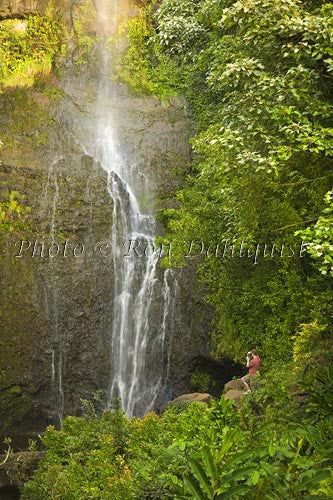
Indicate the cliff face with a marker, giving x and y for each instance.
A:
(56, 280)
(19, 8)
(50, 305)
(56, 311)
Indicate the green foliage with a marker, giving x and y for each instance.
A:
(273, 472)
(318, 384)
(84, 22)
(11, 211)
(77, 463)
(94, 407)
(204, 453)
(258, 76)
(179, 406)
(320, 237)
(178, 27)
(144, 67)
(312, 366)
(201, 381)
(27, 48)
(310, 344)
(133, 69)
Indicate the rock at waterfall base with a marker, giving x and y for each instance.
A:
(19, 468)
(198, 397)
(182, 402)
(235, 395)
(234, 385)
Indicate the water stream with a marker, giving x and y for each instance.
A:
(142, 307)
(138, 357)
(51, 197)
(135, 341)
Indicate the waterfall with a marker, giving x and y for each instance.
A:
(135, 341)
(170, 290)
(51, 193)
(138, 358)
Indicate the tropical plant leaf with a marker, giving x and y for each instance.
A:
(239, 474)
(193, 487)
(231, 492)
(201, 476)
(245, 455)
(309, 483)
(209, 462)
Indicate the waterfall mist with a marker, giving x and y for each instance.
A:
(138, 357)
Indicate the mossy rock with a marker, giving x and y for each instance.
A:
(201, 381)
(180, 406)
(209, 375)
(16, 404)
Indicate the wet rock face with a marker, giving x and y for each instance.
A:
(56, 282)
(54, 330)
(19, 8)
(54, 294)
(16, 470)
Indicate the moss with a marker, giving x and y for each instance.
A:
(25, 121)
(46, 87)
(201, 381)
(15, 404)
(12, 211)
(27, 49)
(15, 389)
(136, 68)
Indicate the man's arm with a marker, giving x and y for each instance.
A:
(250, 363)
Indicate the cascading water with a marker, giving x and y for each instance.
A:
(138, 362)
(51, 293)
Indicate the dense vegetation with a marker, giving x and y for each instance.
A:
(31, 47)
(258, 76)
(27, 48)
(273, 447)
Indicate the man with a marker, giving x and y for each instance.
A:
(253, 366)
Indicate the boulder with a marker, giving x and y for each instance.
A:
(234, 385)
(235, 395)
(18, 468)
(198, 397)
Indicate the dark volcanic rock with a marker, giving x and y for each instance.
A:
(56, 303)
(18, 468)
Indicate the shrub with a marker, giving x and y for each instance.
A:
(27, 49)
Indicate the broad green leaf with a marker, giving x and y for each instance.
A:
(193, 487)
(231, 492)
(201, 476)
(209, 462)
